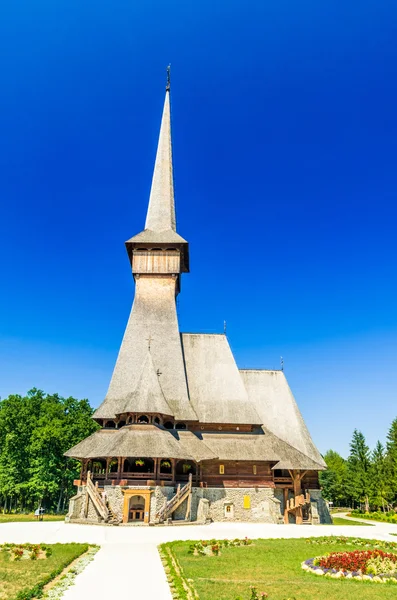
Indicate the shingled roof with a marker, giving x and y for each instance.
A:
(216, 389)
(148, 396)
(134, 440)
(271, 395)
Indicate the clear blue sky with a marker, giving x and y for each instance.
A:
(285, 139)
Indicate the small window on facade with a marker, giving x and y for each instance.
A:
(156, 420)
(254, 469)
(180, 426)
(168, 425)
(221, 469)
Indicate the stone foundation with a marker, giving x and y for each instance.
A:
(261, 505)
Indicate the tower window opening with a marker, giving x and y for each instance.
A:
(180, 426)
(156, 420)
(143, 419)
(168, 425)
(110, 425)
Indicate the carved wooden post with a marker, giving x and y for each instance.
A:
(119, 467)
(285, 505)
(173, 470)
(156, 468)
(297, 481)
(107, 467)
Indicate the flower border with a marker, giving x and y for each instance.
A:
(309, 566)
(57, 591)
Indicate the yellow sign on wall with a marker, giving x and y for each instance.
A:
(247, 502)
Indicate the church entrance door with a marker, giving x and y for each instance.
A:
(136, 509)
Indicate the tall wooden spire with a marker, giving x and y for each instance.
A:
(161, 210)
(160, 225)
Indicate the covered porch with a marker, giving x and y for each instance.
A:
(127, 471)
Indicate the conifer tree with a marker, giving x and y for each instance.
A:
(391, 459)
(379, 487)
(359, 469)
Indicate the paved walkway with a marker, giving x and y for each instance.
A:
(128, 562)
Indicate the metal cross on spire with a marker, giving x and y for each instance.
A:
(168, 86)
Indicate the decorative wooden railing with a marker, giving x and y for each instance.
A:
(96, 498)
(172, 505)
(301, 500)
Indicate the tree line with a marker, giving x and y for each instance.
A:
(35, 431)
(366, 479)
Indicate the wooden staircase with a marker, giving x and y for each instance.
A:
(298, 505)
(101, 506)
(170, 507)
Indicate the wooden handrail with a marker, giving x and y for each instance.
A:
(175, 501)
(96, 498)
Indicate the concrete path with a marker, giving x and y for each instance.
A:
(128, 563)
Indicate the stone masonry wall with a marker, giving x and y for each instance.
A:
(320, 512)
(263, 505)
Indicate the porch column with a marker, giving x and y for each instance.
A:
(297, 477)
(173, 470)
(107, 467)
(285, 491)
(119, 459)
(156, 468)
(84, 469)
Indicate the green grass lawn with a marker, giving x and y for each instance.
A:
(23, 575)
(340, 521)
(16, 518)
(274, 567)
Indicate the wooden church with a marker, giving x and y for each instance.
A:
(185, 434)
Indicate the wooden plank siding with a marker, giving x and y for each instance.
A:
(237, 474)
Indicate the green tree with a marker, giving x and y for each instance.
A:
(391, 459)
(359, 469)
(35, 431)
(333, 481)
(379, 485)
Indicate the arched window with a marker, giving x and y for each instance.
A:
(180, 426)
(121, 424)
(165, 466)
(184, 468)
(113, 466)
(168, 425)
(110, 425)
(143, 419)
(157, 420)
(99, 466)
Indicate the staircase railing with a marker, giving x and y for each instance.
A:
(175, 501)
(96, 498)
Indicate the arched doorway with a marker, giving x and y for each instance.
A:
(133, 501)
(136, 508)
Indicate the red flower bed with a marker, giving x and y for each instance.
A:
(353, 561)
